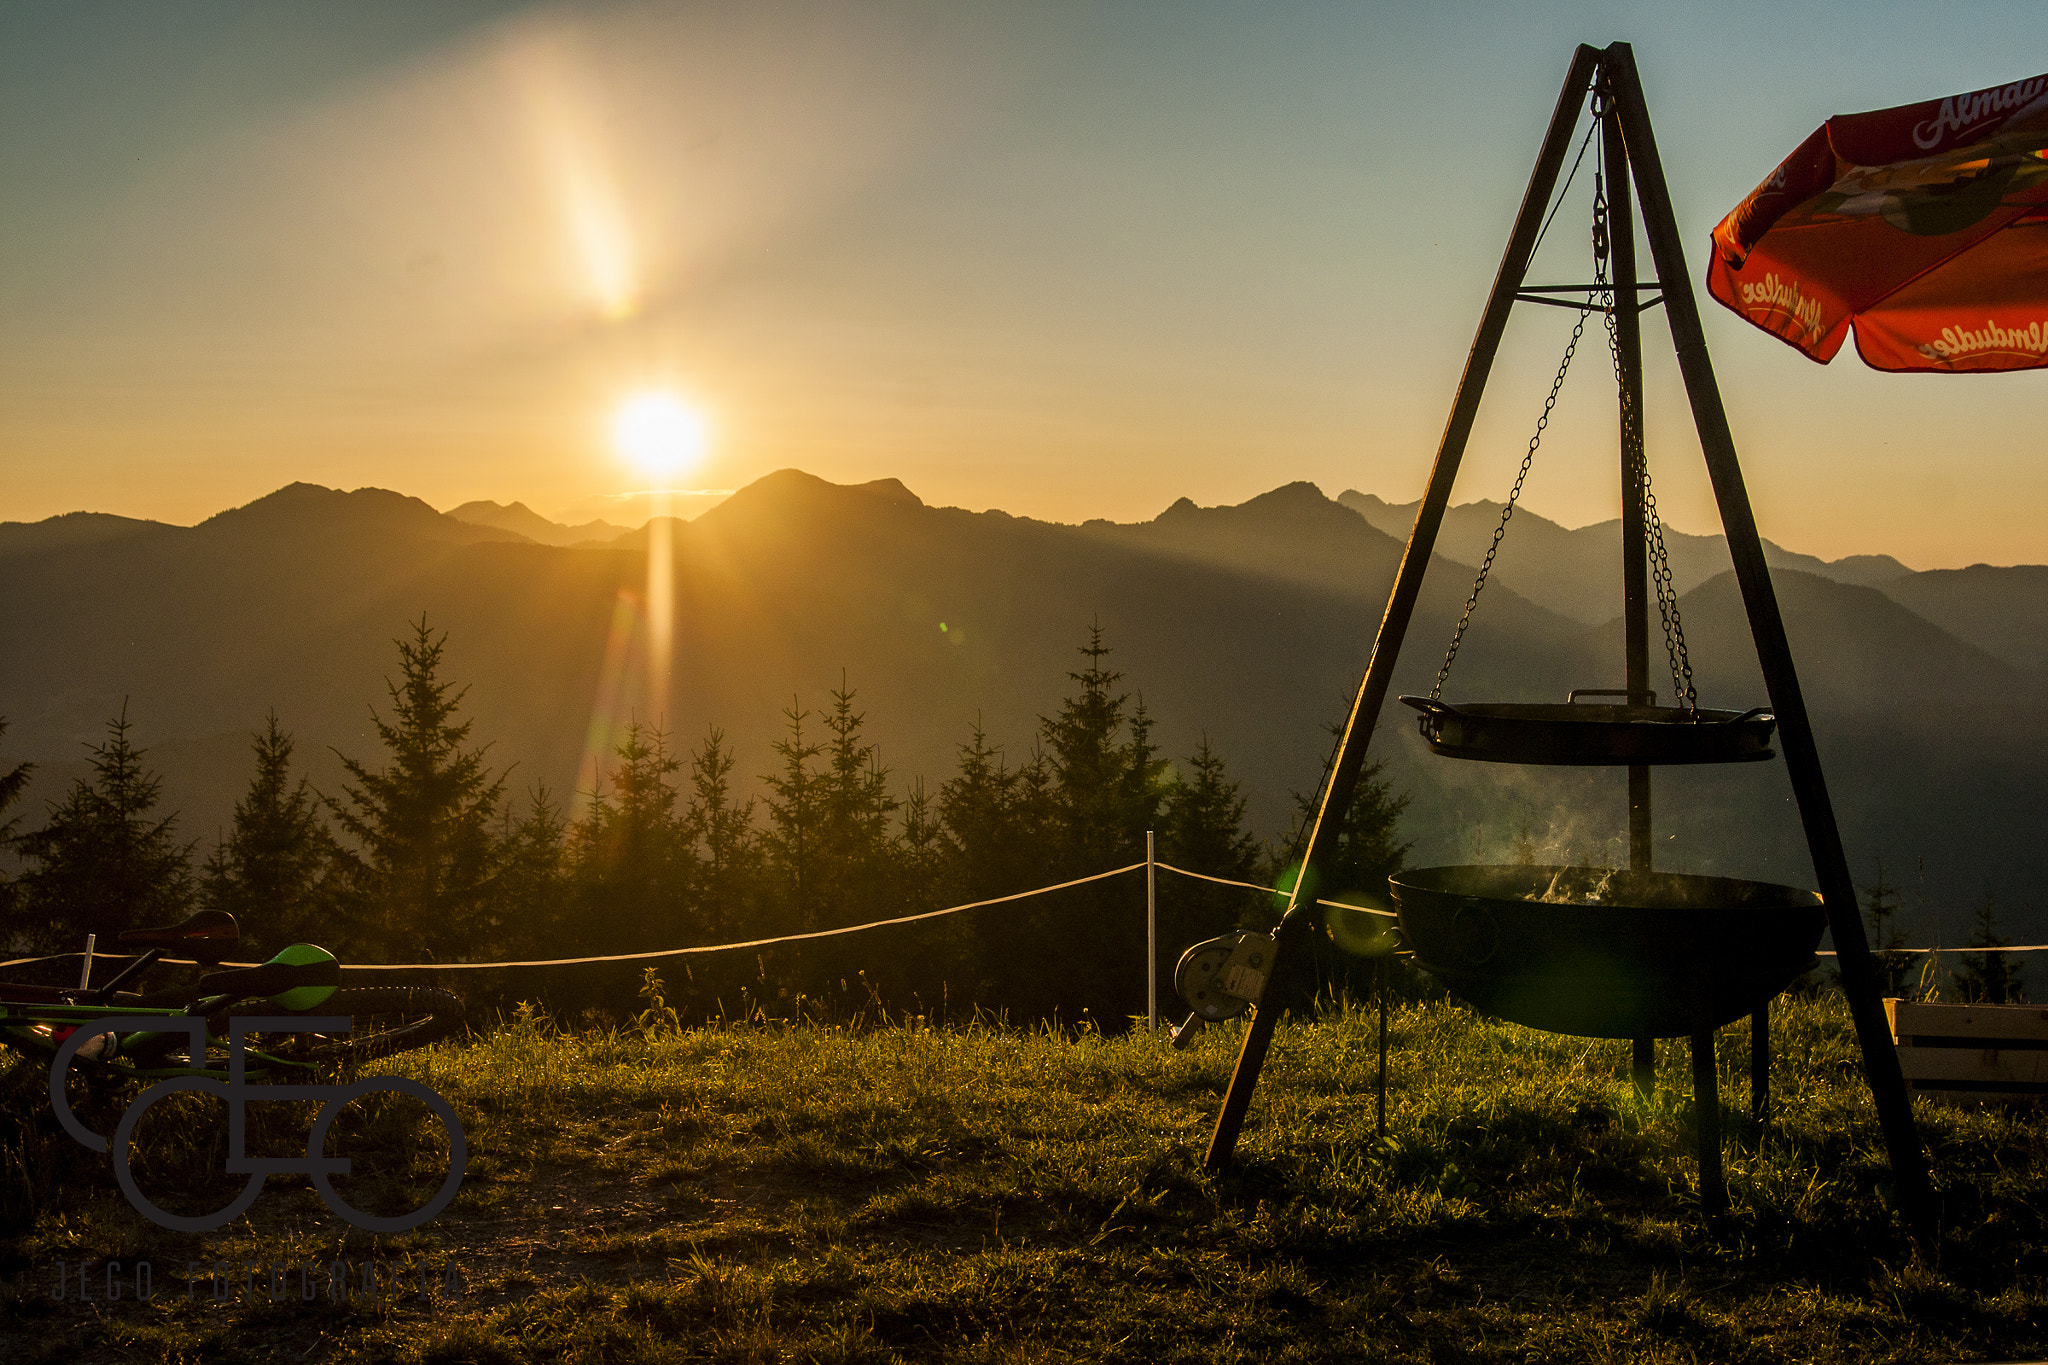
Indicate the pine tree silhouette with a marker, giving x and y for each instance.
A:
(632, 866)
(793, 818)
(105, 862)
(1990, 978)
(532, 894)
(422, 872)
(721, 833)
(270, 870)
(1880, 909)
(12, 783)
(1366, 852)
(854, 850)
(1204, 832)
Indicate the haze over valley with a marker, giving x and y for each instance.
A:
(1248, 624)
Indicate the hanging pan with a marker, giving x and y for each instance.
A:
(1604, 953)
(1516, 732)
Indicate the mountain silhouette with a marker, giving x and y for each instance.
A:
(309, 509)
(2003, 610)
(1577, 571)
(523, 520)
(74, 529)
(1249, 624)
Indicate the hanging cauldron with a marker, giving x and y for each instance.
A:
(1587, 735)
(1602, 953)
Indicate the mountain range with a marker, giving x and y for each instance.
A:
(1247, 623)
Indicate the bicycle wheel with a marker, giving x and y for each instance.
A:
(385, 1020)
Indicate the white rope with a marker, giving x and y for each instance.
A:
(882, 924)
(1226, 881)
(1996, 948)
(663, 952)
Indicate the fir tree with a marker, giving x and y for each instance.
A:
(1105, 769)
(979, 809)
(994, 822)
(937, 960)
(793, 819)
(1204, 832)
(631, 863)
(105, 861)
(533, 880)
(1365, 853)
(926, 851)
(721, 833)
(12, 783)
(420, 877)
(1106, 787)
(1367, 850)
(1880, 911)
(1990, 978)
(269, 871)
(853, 852)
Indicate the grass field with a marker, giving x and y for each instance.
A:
(777, 1192)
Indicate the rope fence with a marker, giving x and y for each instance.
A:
(900, 919)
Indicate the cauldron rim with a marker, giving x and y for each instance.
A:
(1701, 891)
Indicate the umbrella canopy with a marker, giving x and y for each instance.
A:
(1925, 225)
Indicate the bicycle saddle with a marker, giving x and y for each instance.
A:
(208, 935)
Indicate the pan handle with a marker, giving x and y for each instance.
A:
(1433, 718)
(1578, 692)
(1755, 713)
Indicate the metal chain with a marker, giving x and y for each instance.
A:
(1486, 564)
(1667, 601)
(1632, 439)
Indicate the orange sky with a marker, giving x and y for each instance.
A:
(1067, 260)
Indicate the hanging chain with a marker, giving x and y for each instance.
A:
(1528, 457)
(1632, 439)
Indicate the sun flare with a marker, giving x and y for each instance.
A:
(662, 435)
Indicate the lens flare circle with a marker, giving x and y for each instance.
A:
(660, 433)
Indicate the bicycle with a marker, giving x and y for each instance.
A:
(305, 1027)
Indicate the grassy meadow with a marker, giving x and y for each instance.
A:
(814, 1192)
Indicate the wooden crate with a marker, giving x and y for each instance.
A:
(1972, 1052)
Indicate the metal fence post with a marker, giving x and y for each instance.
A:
(1151, 937)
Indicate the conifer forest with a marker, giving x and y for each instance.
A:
(426, 853)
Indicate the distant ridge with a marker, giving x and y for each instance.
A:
(75, 529)
(302, 508)
(1577, 571)
(1247, 623)
(519, 518)
(2002, 609)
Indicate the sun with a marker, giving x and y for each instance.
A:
(660, 433)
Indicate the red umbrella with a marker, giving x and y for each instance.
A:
(1925, 225)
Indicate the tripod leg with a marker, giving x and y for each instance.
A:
(1380, 990)
(1774, 654)
(1429, 514)
(1706, 1099)
(1760, 1063)
(1643, 1066)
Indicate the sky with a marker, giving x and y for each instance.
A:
(1070, 260)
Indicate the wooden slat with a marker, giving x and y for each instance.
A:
(1974, 1065)
(1909, 1019)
